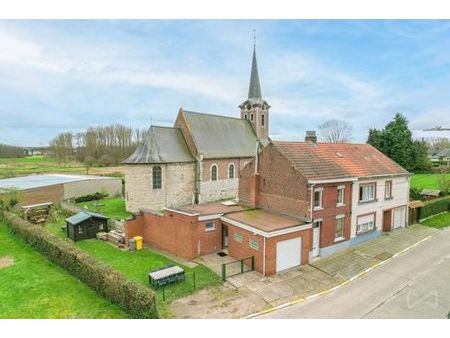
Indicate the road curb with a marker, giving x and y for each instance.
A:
(322, 293)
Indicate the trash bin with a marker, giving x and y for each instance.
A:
(132, 244)
(139, 241)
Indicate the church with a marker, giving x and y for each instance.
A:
(198, 160)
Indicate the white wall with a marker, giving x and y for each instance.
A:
(400, 194)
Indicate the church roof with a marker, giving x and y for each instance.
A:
(221, 136)
(161, 145)
(254, 90)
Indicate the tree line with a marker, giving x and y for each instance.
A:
(8, 151)
(104, 145)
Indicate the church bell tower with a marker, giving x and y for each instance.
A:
(255, 108)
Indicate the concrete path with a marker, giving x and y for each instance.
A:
(414, 285)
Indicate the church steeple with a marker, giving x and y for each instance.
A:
(254, 90)
(255, 108)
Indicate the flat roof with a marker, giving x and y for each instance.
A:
(212, 208)
(265, 220)
(38, 181)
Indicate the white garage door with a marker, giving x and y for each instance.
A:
(399, 217)
(289, 253)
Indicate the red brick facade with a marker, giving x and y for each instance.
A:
(331, 210)
(222, 167)
(281, 187)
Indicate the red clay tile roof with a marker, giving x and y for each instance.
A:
(337, 160)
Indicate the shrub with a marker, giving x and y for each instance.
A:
(93, 197)
(434, 207)
(134, 298)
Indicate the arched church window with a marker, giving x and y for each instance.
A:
(213, 172)
(262, 120)
(251, 117)
(231, 170)
(157, 179)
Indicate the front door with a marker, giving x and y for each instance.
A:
(316, 239)
(399, 217)
(387, 220)
(224, 236)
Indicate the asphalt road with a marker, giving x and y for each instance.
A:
(414, 285)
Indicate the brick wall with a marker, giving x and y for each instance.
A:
(52, 193)
(281, 187)
(177, 233)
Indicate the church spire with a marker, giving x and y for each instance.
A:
(254, 90)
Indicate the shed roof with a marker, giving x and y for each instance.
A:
(38, 181)
(443, 153)
(83, 216)
(430, 192)
(221, 136)
(338, 160)
(161, 145)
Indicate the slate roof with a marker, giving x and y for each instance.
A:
(83, 216)
(221, 136)
(161, 145)
(254, 89)
(337, 160)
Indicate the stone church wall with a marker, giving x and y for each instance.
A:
(178, 182)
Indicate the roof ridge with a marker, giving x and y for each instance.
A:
(210, 114)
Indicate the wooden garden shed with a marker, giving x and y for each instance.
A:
(85, 225)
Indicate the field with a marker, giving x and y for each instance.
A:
(439, 221)
(33, 287)
(110, 207)
(44, 165)
(425, 181)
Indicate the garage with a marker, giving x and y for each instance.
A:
(399, 217)
(289, 253)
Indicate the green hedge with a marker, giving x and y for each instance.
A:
(134, 298)
(434, 207)
(93, 197)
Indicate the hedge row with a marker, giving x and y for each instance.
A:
(434, 207)
(134, 298)
(92, 197)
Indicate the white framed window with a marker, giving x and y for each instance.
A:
(254, 244)
(388, 190)
(238, 237)
(367, 192)
(339, 229)
(211, 226)
(318, 194)
(231, 170)
(365, 223)
(214, 174)
(251, 117)
(80, 230)
(340, 195)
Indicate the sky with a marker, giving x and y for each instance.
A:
(58, 76)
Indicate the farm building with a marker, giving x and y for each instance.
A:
(85, 225)
(55, 188)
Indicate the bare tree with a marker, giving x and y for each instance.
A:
(335, 131)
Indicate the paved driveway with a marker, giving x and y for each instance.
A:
(250, 292)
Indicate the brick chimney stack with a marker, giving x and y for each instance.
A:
(311, 136)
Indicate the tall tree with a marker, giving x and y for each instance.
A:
(395, 141)
(335, 131)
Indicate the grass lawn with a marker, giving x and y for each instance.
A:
(111, 207)
(33, 287)
(425, 181)
(12, 167)
(136, 265)
(439, 221)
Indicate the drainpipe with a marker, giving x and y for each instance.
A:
(264, 257)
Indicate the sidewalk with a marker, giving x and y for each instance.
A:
(250, 292)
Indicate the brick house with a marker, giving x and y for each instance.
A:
(350, 192)
(198, 159)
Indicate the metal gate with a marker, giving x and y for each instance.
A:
(237, 267)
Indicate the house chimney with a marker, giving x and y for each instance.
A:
(311, 137)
